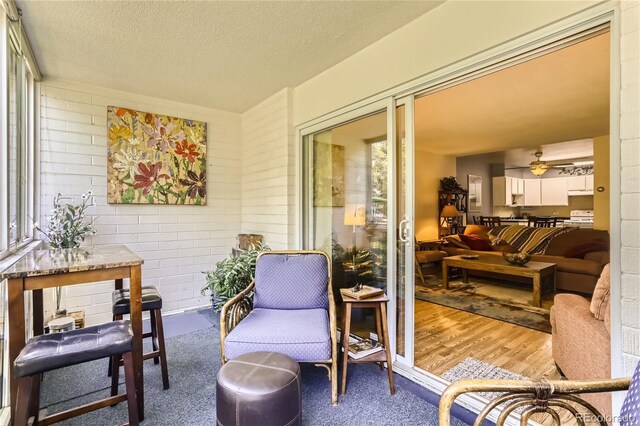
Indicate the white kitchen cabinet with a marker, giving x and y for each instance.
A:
(553, 192)
(576, 183)
(517, 186)
(589, 183)
(532, 192)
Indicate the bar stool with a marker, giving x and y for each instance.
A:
(57, 350)
(152, 302)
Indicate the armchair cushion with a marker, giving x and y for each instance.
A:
(291, 281)
(301, 334)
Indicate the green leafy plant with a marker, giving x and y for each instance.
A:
(232, 275)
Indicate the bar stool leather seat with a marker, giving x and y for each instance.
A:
(151, 300)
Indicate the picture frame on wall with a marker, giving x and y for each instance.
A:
(474, 186)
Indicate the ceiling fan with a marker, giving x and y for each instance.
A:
(539, 166)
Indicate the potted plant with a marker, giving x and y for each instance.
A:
(232, 275)
(67, 229)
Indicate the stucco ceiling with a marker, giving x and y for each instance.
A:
(228, 55)
(561, 96)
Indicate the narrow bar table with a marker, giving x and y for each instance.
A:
(40, 269)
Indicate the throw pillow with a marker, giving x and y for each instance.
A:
(601, 294)
(578, 251)
(455, 241)
(479, 230)
(477, 243)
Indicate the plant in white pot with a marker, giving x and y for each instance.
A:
(67, 228)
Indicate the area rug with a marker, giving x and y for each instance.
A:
(504, 301)
(194, 360)
(471, 368)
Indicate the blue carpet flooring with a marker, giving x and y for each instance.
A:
(193, 352)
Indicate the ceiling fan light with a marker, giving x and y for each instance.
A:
(539, 169)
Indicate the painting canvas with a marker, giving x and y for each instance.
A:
(155, 159)
(328, 175)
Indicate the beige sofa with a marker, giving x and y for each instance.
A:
(581, 345)
(572, 274)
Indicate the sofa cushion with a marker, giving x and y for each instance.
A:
(479, 230)
(455, 241)
(601, 294)
(574, 266)
(528, 239)
(580, 250)
(476, 242)
(559, 245)
(291, 281)
(301, 334)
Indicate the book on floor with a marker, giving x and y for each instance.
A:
(363, 347)
(365, 292)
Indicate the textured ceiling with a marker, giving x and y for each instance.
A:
(225, 55)
(561, 96)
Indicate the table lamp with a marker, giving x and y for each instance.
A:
(355, 215)
(448, 213)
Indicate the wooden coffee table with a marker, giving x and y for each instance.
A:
(488, 263)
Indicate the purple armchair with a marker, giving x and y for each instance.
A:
(293, 312)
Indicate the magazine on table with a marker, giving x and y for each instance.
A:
(360, 348)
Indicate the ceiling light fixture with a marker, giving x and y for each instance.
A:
(538, 167)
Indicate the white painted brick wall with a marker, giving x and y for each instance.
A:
(268, 170)
(630, 174)
(176, 242)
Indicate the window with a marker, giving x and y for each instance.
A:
(17, 161)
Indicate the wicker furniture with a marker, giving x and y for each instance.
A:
(534, 270)
(555, 398)
(293, 312)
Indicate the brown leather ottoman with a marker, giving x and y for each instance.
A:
(259, 388)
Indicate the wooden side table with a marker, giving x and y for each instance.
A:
(378, 303)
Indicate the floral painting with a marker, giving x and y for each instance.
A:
(155, 159)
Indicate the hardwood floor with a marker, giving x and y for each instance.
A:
(444, 337)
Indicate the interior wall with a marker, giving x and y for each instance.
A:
(429, 169)
(479, 165)
(176, 242)
(451, 32)
(601, 178)
(268, 171)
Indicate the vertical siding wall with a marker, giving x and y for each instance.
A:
(268, 172)
(176, 242)
(630, 202)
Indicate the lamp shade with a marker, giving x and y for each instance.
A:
(539, 169)
(449, 211)
(355, 215)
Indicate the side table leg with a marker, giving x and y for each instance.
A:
(381, 338)
(383, 311)
(345, 344)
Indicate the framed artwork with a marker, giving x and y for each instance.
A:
(155, 159)
(475, 193)
(328, 175)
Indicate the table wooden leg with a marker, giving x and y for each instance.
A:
(345, 344)
(38, 313)
(445, 275)
(536, 290)
(17, 335)
(135, 285)
(383, 312)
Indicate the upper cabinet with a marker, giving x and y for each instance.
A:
(554, 192)
(580, 185)
(507, 191)
(532, 192)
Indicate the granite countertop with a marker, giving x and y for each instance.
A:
(57, 261)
